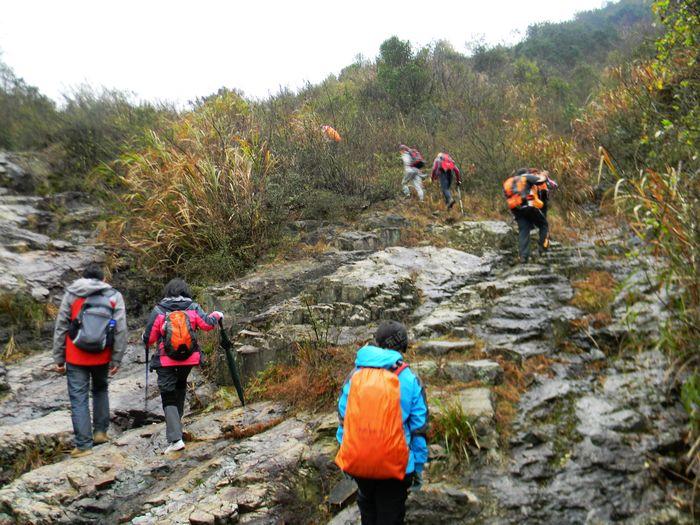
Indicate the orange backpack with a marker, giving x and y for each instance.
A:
(331, 134)
(514, 188)
(179, 340)
(374, 444)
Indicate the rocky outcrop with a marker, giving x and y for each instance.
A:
(23, 172)
(121, 478)
(591, 426)
(344, 305)
(43, 240)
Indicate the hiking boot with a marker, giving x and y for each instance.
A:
(174, 447)
(80, 452)
(98, 438)
(452, 203)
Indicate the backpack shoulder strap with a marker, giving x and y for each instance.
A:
(400, 367)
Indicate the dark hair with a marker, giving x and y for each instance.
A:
(392, 335)
(522, 171)
(177, 287)
(93, 271)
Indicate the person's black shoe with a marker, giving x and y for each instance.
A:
(452, 203)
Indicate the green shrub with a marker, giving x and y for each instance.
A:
(95, 128)
(451, 427)
(28, 118)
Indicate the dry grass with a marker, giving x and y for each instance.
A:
(313, 381)
(516, 380)
(251, 430)
(32, 457)
(197, 197)
(595, 292)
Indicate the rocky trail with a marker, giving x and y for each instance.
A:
(595, 432)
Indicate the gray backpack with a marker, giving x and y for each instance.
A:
(92, 329)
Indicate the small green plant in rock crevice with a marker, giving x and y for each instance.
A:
(456, 431)
(561, 416)
(322, 322)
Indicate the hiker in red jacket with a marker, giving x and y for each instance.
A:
(444, 168)
(172, 327)
(89, 341)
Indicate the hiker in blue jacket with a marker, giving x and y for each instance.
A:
(384, 500)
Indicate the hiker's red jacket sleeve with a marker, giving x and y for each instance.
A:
(204, 321)
(458, 175)
(434, 173)
(156, 329)
(147, 331)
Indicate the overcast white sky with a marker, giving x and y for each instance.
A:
(177, 50)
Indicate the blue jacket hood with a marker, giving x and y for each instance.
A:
(375, 357)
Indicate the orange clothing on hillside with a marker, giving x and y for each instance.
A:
(331, 134)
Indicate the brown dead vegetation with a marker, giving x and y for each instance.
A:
(313, 381)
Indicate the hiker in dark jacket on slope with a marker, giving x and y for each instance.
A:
(89, 351)
(524, 192)
(172, 327)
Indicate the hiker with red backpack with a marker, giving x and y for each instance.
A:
(524, 192)
(383, 423)
(89, 341)
(412, 163)
(445, 169)
(172, 327)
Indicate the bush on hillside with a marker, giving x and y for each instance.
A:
(28, 118)
(95, 127)
(199, 200)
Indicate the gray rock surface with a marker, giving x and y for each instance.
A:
(587, 425)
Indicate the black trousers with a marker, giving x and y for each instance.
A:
(172, 382)
(529, 217)
(383, 501)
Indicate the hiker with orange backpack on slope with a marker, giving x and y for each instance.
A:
(444, 168)
(544, 189)
(523, 191)
(383, 422)
(330, 134)
(89, 341)
(412, 163)
(172, 327)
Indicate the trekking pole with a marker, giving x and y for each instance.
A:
(459, 194)
(145, 395)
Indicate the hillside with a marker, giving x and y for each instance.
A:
(561, 390)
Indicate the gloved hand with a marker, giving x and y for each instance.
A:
(459, 183)
(219, 316)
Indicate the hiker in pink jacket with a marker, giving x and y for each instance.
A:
(172, 327)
